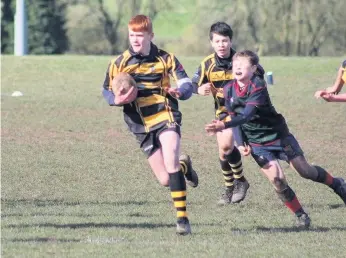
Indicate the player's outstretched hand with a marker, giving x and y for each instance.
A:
(174, 92)
(245, 150)
(328, 97)
(214, 126)
(321, 93)
(204, 89)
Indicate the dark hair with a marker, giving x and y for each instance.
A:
(221, 28)
(252, 56)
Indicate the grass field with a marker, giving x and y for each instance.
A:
(75, 185)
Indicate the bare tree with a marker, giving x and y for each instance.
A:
(111, 23)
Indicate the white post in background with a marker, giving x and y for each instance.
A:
(20, 29)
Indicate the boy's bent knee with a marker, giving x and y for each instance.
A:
(225, 150)
(307, 172)
(279, 184)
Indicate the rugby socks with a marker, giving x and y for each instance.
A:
(289, 198)
(234, 160)
(178, 192)
(227, 173)
(325, 178)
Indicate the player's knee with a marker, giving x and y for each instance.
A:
(306, 172)
(304, 169)
(279, 183)
(225, 149)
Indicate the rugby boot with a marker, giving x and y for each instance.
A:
(226, 197)
(191, 176)
(240, 190)
(183, 226)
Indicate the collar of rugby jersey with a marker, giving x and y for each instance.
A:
(154, 51)
(225, 63)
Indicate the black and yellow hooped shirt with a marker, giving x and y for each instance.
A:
(153, 107)
(218, 72)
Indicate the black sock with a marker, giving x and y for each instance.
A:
(227, 173)
(325, 178)
(234, 159)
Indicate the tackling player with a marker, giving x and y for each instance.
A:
(263, 133)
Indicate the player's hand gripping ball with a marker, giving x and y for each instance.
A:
(124, 88)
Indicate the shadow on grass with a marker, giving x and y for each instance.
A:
(98, 225)
(323, 206)
(57, 202)
(336, 206)
(285, 230)
(42, 240)
(39, 214)
(92, 225)
(80, 215)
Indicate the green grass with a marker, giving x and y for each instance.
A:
(74, 183)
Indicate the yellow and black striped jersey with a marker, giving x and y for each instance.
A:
(153, 107)
(218, 72)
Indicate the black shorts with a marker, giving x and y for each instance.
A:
(150, 143)
(285, 149)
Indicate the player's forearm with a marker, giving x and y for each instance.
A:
(238, 120)
(249, 112)
(339, 98)
(185, 88)
(195, 87)
(109, 97)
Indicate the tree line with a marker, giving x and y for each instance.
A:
(286, 27)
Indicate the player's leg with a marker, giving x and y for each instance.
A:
(320, 175)
(273, 171)
(226, 169)
(312, 172)
(170, 146)
(232, 168)
(152, 149)
(158, 167)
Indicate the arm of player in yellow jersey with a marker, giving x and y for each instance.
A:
(184, 84)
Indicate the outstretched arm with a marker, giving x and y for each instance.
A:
(249, 112)
(335, 98)
(256, 98)
(184, 84)
(217, 125)
(200, 82)
(337, 86)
